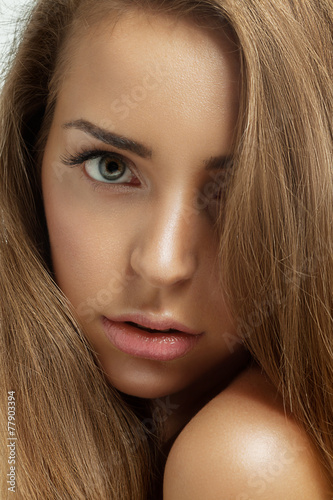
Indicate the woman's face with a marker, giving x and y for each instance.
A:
(141, 137)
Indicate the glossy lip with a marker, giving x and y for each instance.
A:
(160, 346)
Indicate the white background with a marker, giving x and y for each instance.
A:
(10, 13)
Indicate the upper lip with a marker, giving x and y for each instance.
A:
(162, 322)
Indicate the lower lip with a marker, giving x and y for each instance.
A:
(143, 344)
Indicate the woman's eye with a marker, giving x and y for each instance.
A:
(110, 168)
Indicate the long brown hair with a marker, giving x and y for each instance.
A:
(77, 436)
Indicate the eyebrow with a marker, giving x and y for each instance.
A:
(117, 141)
(127, 144)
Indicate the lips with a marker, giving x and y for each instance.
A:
(162, 339)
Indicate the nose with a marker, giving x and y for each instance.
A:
(166, 251)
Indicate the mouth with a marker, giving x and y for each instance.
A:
(155, 324)
(151, 330)
(157, 339)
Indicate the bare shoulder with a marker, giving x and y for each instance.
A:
(241, 446)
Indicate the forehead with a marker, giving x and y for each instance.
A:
(151, 66)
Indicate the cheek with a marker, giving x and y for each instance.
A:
(85, 248)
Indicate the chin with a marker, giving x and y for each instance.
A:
(143, 392)
(145, 385)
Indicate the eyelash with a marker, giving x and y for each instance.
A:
(81, 159)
